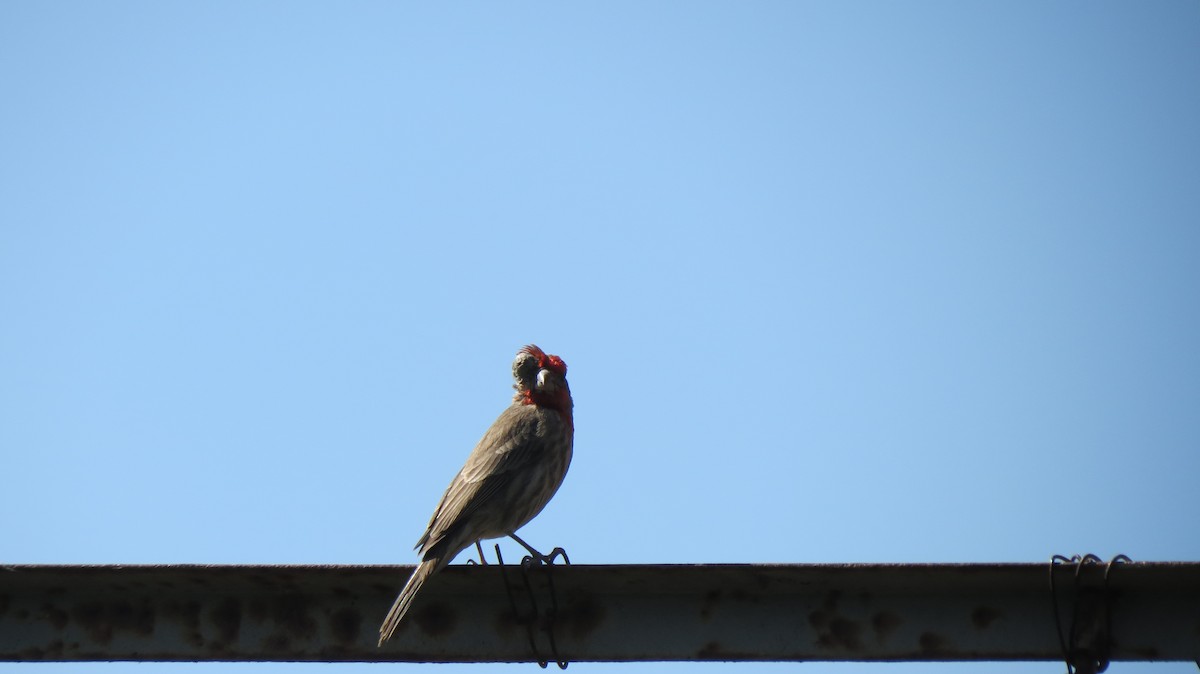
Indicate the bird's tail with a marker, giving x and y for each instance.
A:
(422, 573)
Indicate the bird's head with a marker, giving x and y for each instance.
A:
(541, 379)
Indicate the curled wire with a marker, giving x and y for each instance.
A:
(527, 562)
(1098, 660)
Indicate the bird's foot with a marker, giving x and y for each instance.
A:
(539, 559)
(536, 557)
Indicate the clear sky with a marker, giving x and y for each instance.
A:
(836, 282)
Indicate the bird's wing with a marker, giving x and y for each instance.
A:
(506, 449)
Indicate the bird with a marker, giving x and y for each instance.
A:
(508, 479)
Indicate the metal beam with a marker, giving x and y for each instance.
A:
(881, 612)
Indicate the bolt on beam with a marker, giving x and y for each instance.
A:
(862, 612)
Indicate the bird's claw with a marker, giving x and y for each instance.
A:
(541, 559)
(547, 560)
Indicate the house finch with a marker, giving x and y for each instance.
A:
(508, 478)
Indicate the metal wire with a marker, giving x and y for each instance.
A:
(1097, 657)
(527, 562)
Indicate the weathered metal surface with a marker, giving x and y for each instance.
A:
(605, 613)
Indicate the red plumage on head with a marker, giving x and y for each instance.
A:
(546, 361)
(535, 351)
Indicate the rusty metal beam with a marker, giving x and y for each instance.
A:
(875, 612)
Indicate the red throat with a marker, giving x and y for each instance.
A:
(559, 402)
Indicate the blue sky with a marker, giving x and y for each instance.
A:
(836, 282)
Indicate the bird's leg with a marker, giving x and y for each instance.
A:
(482, 560)
(538, 557)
